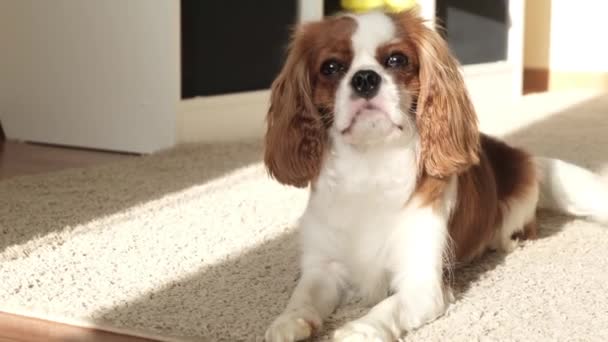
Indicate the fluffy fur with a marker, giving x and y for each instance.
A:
(404, 188)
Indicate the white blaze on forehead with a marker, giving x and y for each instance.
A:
(373, 30)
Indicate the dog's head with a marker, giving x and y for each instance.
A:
(363, 80)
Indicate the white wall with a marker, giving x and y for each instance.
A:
(91, 73)
(578, 35)
(566, 36)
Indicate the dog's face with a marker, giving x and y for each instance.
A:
(364, 86)
(365, 80)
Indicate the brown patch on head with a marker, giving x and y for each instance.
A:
(302, 100)
(406, 75)
(445, 117)
(332, 44)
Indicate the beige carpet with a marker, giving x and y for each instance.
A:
(197, 243)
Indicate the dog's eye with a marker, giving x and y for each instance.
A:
(396, 60)
(331, 67)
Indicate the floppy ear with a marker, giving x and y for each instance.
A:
(445, 116)
(295, 137)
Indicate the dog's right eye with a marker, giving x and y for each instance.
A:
(396, 60)
(331, 67)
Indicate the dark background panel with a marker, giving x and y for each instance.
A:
(331, 7)
(233, 46)
(476, 30)
(230, 47)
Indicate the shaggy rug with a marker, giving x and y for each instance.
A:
(196, 243)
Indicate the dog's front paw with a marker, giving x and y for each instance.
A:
(360, 332)
(294, 325)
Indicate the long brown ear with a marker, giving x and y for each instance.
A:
(295, 137)
(445, 116)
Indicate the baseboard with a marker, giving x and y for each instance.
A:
(560, 80)
(543, 79)
(222, 118)
(41, 327)
(240, 116)
(535, 80)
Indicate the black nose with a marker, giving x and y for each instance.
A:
(366, 83)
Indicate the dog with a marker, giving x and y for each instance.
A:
(370, 112)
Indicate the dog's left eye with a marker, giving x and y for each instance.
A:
(396, 60)
(331, 67)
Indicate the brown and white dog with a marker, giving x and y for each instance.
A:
(371, 112)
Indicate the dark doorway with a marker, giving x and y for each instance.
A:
(233, 46)
(477, 31)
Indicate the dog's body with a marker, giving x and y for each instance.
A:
(372, 113)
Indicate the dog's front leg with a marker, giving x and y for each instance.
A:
(315, 297)
(416, 260)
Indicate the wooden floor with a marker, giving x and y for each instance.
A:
(15, 328)
(18, 159)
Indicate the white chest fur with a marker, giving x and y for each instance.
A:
(356, 205)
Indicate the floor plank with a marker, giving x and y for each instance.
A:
(18, 159)
(14, 328)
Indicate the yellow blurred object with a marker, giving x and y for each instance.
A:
(368, 5)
